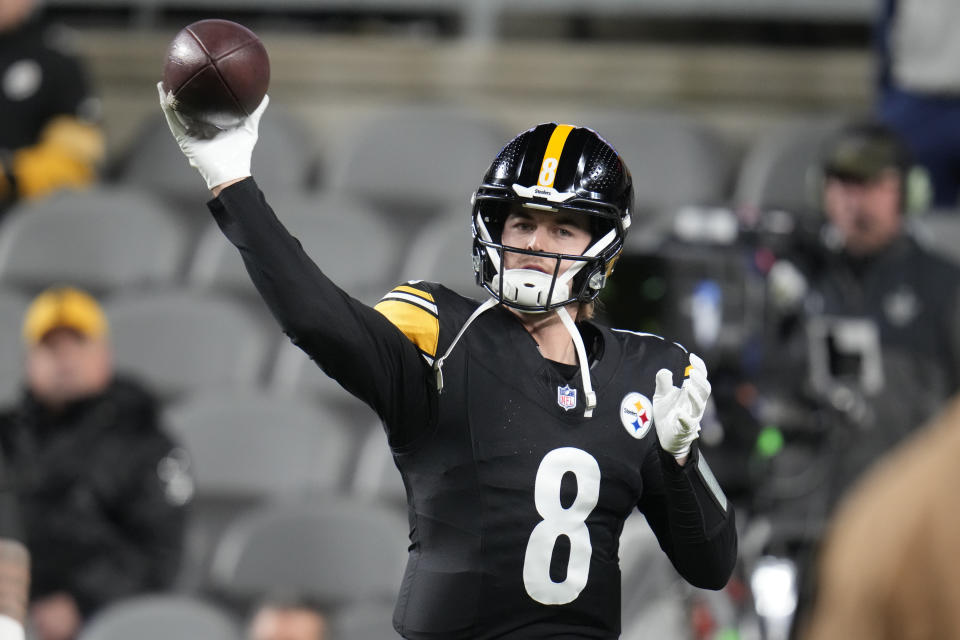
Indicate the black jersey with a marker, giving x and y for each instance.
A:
(516, 500)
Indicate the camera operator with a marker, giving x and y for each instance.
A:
(863, 337)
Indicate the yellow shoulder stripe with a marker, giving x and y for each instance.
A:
(417, 292)
(420, 326)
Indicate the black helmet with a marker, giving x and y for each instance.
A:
(554, 167)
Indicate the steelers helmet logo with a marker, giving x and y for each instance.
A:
(636, 414)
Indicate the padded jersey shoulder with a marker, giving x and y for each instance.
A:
(428, 313)
(646, 346)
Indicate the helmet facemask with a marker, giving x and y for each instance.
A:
(574, 277)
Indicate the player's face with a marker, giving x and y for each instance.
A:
(66, 366)
(548, 231)
(867, 214)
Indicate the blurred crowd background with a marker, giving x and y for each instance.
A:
(384, 115)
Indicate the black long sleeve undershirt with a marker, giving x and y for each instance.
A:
(696, 532)
(350, 341)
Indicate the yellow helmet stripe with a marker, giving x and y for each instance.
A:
(551, 157)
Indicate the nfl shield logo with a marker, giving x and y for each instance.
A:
(566, 397)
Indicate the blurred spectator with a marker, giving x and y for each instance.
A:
(889, 569)
(867, 343)
(919, 92)
(879, 315)
(288, 617)
(101, 488)
(48, 134)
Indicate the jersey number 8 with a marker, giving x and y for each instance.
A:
(559, 521)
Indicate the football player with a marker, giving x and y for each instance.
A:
(525, 432)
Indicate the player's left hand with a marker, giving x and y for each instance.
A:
(226, 156)
(677, 410)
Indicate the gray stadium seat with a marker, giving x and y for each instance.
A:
(100, 239)
(344, 236)
(295, 374)
(247, 447)
(250, 443)
(776, 172)
(413, 162)
(181, 341)
(285, 159)
(939, 231)
(653, 591)
(161, 617)
(338, 551)
(12, 307)
(443, 253)
(675, 160)
(365, 622)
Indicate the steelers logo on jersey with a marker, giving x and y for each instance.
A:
(636, 414)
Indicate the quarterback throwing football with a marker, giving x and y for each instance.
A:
(525, 432)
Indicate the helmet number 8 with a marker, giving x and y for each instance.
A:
(559, 521)
(548, 171)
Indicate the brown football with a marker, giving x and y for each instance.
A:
(218, 72)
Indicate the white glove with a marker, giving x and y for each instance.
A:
(677, 411)
(10, 629)
(225, 156)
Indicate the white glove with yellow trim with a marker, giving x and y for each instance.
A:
(222, 158)
(677, 410)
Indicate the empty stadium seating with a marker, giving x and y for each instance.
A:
(180, 341)
(12, 307)
(940, 231)
(246, 447)
(162, 617)
(102, 239)
(775, 173)
(412, 163)
(249, 443)
(338, 551)
(675, 160)
(365, 622)
(443, 253)
(344, 236)
(285, 160)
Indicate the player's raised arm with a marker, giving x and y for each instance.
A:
(353, 343)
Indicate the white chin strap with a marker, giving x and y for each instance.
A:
(582, 357)
(571, 327)
(530, 288)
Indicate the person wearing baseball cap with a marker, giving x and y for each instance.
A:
(873, 344)
(68, 351)
(869, 184)
(99, 484)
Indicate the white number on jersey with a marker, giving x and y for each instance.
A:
(557, 521)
